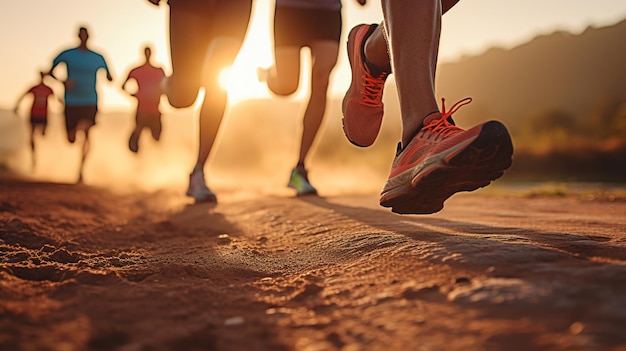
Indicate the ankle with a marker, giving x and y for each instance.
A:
(412, 128)
(375, 70)
(198, 168)
(376, 55)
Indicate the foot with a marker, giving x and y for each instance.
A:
(443, 159)
(198, 188)
(362, 105)
(299, 180)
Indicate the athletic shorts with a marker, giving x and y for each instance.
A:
(301, 27)
(38, 120)
(223, 17)
(75, 114)
(194, 24)
(149, 120)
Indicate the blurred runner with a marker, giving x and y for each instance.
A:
(41, 94)
(148, 94)
(205, 37)
(298, 24)
(434, 159)
(81, 97)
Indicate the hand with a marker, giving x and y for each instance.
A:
(156, 2)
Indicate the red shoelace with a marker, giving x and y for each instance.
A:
(441, 127)
(372, 95)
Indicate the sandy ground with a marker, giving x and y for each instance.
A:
(82, 268)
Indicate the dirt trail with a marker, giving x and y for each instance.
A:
(85, 269)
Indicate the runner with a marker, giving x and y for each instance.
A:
(41, 94)
(148, 78)
(297, 25)
(435, 159)
(205, 37)
(81, 97)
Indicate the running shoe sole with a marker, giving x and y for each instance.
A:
(299, 192)
(203, 198)
(467, 167)
(304, 193)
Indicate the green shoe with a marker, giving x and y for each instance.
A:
(300, 182)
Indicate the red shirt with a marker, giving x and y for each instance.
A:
(41, 93)
(148, 87)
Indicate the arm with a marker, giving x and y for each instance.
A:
(124, 84)
(17, 104)
(55, 63)
(50, 72)
(106, 68)
(67, 83)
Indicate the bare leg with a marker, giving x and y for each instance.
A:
(32, 145)
(85, 151)
(188, 47)
(376, 48)
(133, 142)
(205, 37)
(324, 57)
(414, 55)
(71, 135)
(438, 159)
(156, 129)
(197, 46)
(221, 53)
(284, 77)
(414, 58)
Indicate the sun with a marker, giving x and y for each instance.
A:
(241, 83)
(224, 77)
(241, 80)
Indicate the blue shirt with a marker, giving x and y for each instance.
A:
(82, 67)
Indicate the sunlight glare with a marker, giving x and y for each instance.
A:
(225, 77)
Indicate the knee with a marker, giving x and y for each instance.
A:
(180, 99)
(283, 89)
(180, 94)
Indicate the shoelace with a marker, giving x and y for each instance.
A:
(441, 127)
(373, 88)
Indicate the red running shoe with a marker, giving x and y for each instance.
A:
(443, 159)
(362, 105)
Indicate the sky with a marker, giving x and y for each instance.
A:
(32, 32)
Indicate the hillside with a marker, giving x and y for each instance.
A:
(572, 74)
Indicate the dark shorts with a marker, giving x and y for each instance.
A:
(38, 121)
(149, 120)
(75, 114)
(194, 25)
(301, 27)
(216, 17)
